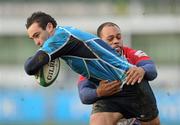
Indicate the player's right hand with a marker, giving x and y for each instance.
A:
(134, 74)
(106, 88)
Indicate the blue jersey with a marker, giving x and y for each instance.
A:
(86, 54)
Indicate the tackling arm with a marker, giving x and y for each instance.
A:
(34, 63)
(87, 91)
(149, 68)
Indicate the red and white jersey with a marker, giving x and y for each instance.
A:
(134, 56)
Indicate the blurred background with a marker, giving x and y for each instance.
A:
(149, 25)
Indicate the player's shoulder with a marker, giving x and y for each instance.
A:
(128, 51)
(60, 33)
(135, 56)
(61, 29)
(68, 28)
(131, 51)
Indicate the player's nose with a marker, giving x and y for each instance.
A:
(116, 41)
(37, 42)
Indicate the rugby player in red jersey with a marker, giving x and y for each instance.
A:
(134, 100)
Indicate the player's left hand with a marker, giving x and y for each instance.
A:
(134, 74)
(106, 88)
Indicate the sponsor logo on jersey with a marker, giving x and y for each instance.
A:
(140, 53)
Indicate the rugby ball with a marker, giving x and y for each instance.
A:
(48, 73)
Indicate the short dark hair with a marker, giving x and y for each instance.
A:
(41, 18)
(103, 25)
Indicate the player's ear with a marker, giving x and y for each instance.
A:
(49, 28)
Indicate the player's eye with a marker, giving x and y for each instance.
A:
(118, 36)
(110, 39)
(36, 35)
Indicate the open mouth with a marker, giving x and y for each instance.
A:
(118, 49)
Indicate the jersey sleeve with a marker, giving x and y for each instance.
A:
(149, 68)
(34, 63)
(87, 91)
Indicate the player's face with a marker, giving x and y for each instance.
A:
(112, 35)
(37, 34)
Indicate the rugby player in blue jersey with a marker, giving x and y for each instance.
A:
(85, 53)
(104, 111)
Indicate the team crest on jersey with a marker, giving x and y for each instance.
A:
(140, 53)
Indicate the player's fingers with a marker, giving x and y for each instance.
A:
(140, 79)
(114, 87)
(116, 83)
(130, 73)
(134, 80)
(128, 78)
(130, 70)
(131, 78)
(114, 92)
(127, 72)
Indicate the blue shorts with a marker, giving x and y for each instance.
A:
(137, 101)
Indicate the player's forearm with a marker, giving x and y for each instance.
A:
(150, 69)
(87, 93)
(34, 63)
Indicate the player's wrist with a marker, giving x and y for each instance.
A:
(99, 92)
